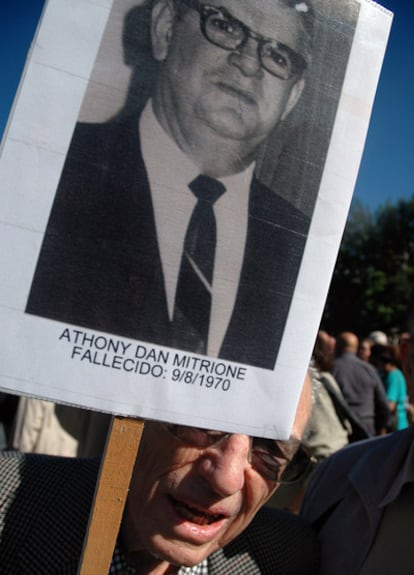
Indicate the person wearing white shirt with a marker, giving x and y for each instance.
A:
(116, 246)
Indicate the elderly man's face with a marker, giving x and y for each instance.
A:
(203, 87)
(186, 502)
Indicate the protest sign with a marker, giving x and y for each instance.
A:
(111, 124)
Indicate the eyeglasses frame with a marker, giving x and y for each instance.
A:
(299, 63)
(218, 436)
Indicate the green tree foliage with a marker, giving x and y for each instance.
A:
(373, 282)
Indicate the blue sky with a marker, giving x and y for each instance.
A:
(386, 169)
(386, 172)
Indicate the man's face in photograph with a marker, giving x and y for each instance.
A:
(204, 87)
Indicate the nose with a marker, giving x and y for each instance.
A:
(247, 58)
(224, 465)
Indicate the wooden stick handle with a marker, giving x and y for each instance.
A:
(110, 495)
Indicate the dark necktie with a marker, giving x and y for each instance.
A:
(193, 296)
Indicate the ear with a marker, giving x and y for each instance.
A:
(162, 23)
(295, 94)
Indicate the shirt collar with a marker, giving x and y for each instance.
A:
(119, 565)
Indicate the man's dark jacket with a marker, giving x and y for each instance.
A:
(347, 496)
(363, 390)
(100, 266)
(44, 509)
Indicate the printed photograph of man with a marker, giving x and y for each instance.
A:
(161, 230)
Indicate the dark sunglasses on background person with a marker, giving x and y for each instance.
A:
(278, 461)
(220, 28)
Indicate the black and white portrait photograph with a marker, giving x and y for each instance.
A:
(182, 219)
(175, 181)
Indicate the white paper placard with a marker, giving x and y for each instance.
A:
(91, 63)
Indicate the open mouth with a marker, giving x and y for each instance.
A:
(195, 515)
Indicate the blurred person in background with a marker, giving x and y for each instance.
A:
(379, 340)
(395, 388)
(361, 385)
(405, 351)
(364, 349)
(331, 426)
(46, 427)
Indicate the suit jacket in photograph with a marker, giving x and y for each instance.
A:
(44, 509)
(100, 267)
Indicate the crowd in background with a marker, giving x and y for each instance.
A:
(362, 387)
(364, 371)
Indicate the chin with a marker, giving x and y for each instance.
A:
(228, 122)
(231, 128)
